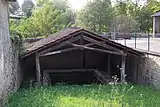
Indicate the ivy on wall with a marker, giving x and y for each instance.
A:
(18, 42)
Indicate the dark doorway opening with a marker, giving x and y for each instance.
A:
(73, 78)
(81, 67)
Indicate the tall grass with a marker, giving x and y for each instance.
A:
(122, 95)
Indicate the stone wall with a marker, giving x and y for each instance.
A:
(9, 63)
(12, 77)
(151, 72)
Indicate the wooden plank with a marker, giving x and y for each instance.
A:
(94, 49)
(123, 69)
(38, 69)
(67, 70)
(102, 76)
(59, 51)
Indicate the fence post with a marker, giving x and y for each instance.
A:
(148, 42)
(135, 39)
(124, 41)
(114, 36)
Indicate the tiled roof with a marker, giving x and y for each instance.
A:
(52, 38)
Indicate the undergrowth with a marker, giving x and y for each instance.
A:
(121, 95)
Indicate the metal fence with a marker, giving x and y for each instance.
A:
(134, 38)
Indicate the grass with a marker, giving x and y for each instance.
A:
(86, 96)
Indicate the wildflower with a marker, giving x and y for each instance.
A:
(111, 83)
(141, 95)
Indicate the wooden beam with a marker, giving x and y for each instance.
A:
(94, 49)
(58, 45)
(149, 52)
(112, 42)
(123, 67)
(89, 44)
(51, 48)
(59, 51)
(67, 70)
(38, 69)
(81, 39)
(102, 44)
(72, 38)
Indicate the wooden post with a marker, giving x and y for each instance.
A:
(38, 69)
(123, 69)
(108, 65)
(81, 39)
(83, 51)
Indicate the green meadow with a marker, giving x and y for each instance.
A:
(122, 95)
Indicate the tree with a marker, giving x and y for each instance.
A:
(121, 8)
(123, 23)
(144, 17)
(96, 16)
(145, 20)
(48, 18)
(27, 7)
(140, 13)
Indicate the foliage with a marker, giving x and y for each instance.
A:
(100, 15)
(121, 95)
(123, 23)
(96, 15)
(17, 39)
(48, 18)
(144, 17)
(18, 44)
(140, 13)
(121, 8)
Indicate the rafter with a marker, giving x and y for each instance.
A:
(59, 51)
(102, 44)
(89, 44)
(113, 43)
(93, 49)
(59, 45)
